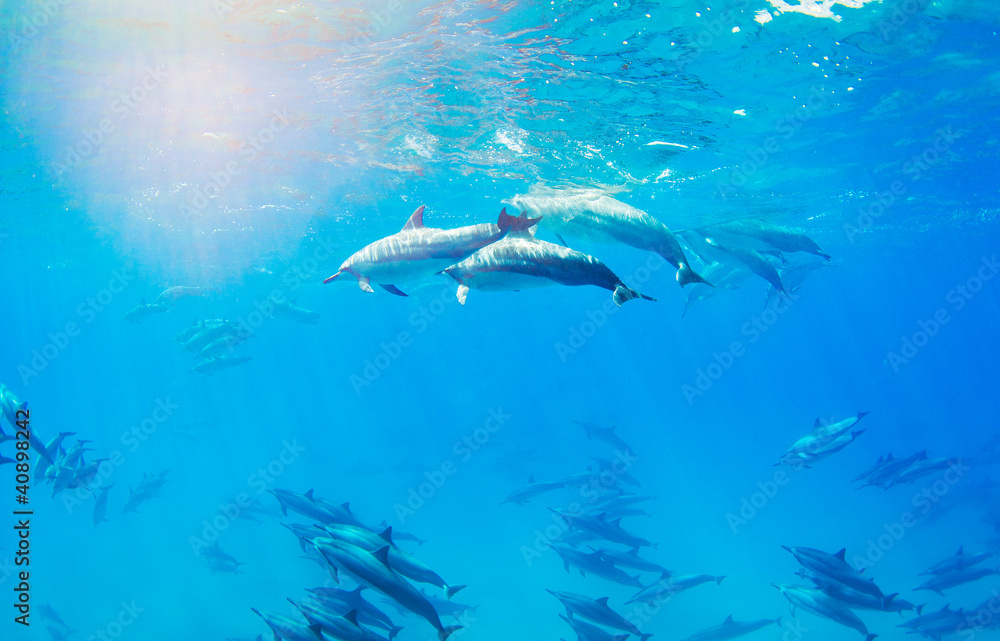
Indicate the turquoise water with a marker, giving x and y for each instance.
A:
(249, 148)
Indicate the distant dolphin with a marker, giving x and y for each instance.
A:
(730, 629)
(288, 309)
(762, 235)
(174, 294)
(520, 261)
(711, 249)
(417, 251)
(592, 215)
(143, 311)
(217, 363)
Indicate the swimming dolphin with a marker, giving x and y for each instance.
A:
(288, 309)
(287, 628)
(400, 560)
(958, 561)
(143, 311)
(345, 627)
(222, 346)
(889, 468)
(101, 506)
(531, 490)
(596, 610)
(825, 606)
(941, 582)
(923, 468)
(669, 585)
(730, 629)
(605, 529)
(10, 405)
(417, 251)
(854, 599)
(173, 294)
(520, 261)
(596, 564)
(310, 506)
(723, 276)
(835, 567)
(373, 569)
(587, 632)
(630, 559)
(337, 600)
(606, 434)
(218, 363)
(945, 617)
(592, 215)
(710, 249)
(207, 334)
(761, 234)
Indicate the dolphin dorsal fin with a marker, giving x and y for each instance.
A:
(840, 555)
(309, 494)
(387, 534)
(416, 220)
(531, 479)
(961, 551)
(818, 423)
(142, 301)
(382, 554)
(352, 616)
(728, 621)
(347, 506)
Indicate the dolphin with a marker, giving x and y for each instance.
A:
(605, 529)
(941, 582)
(931, 619)
(520, 261)
(630, 559)
(596, 610)
(218, 363)
(833, 430)
(101, 506)
(596, 564)
(763, 235)
(892, 468)
(373, 569)
(185, 334)
(206, 335)
(669, 585)
(823, 605)
(958, 561)
(288, 309)
(401, 561)
(711, 250)
(730, 629)
(310, 506)
(345, 627)
(922, 468)
(344, 601)
(621, 462)
(417, 251)
(592, 215)
(171, 295)
(587, 632)
(854, 599)
(222, 346)
(286, 628)
(143, 311)
(224, 566)
(606, 434)
(10, 405)
(835, 567)
(531, 490)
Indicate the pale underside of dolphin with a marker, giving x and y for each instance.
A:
(521, 261)
(592, 215)
(417, 251)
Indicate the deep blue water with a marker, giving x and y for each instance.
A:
(248, 148)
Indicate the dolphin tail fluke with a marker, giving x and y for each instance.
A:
(643, 637)
(446, 631)
(452, 590)
(686, 276)
(623, 293)
(393, 632)
(871, 637)
(718, 580)
(522, 223)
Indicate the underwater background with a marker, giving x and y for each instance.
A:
(247, 148)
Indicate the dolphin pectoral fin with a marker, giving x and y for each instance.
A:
(365, 285)
(463, 291)
(564, 243)
(392, 289)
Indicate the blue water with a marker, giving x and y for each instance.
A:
(248, 148)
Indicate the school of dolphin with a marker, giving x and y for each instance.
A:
(363, 559)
